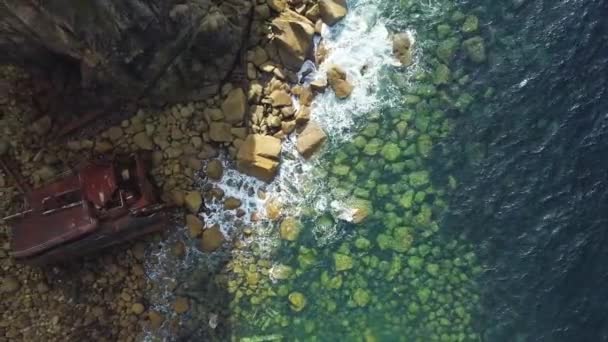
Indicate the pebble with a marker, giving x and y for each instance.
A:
(10, 285)
(137, 308)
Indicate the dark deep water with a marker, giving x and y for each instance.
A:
(535, 198)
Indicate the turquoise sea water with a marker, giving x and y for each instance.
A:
(471, 167)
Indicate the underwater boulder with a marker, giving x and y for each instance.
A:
(297, 301)
(290, 229)
(475, 49)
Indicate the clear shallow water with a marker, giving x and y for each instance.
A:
(487, 206)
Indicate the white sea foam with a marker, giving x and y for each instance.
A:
(361, 45)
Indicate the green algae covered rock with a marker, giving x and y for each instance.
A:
(342, 262)
(307, 257)
(419, 179)
(443, 31)
(372, 147)
(402, 239)
(423, 295)
(475, 49)
(415, 262)
(290, 229)
(362, 243)
(371, 130)
(297, 301)
(360, 141)
(391, 151)
(407, 199)
(447, 49)
(340, 170)
(432, 269)
(281, 272)
(361, 297)
(471, 24)
(422, 122)
(383, 241)
(424, 145)
(441, 75)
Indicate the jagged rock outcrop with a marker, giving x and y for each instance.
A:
(127, 48)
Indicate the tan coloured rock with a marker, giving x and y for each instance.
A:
(193, 201)
(137, 308)
(280, 98)
(212, 239)
(293, 38)
(155, 320)
(277, 5)
(232, 203)
(195, 225)
(332, 11)
(318, 85)
(259, 56)
(336, 77)
(402, 48)
(215, 170)
(234, 106)
(181, 305)
(143, 141)
(303, 115)
(310, 139)
(259, 155)
(220, 132)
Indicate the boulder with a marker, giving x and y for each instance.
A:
(280, 98)
(215, 170)
(336, 77)
(403, 44)
(303, 115)
(212, 239)
(220, 132)
(181, 305)
(143, 141)
(290, 229)
(332, 11)
(258, 156)
(234, 106)
(475, 49)
(297, 301)
(193, 201)
(232, 203)
(195, 225)
(310, 140)
(292, 38)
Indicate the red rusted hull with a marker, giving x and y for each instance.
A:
(100, 204)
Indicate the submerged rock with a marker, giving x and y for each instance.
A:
(475, 49)
(361, 297)
(297, 301)
(212, 239)
(9, 285)
(342, 262)
(258, 156)
(332, 11)
(195, 225)
(310, 140)
(290, 229)
(281, 272)
(193, 201)
(181, 305)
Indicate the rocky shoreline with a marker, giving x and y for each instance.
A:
(104, 297)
